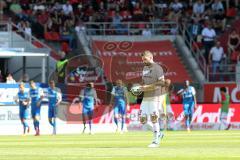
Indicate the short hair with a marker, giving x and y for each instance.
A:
(147, 54)
(32, 81)
(223, 89)
(51, 81)
(21, 84)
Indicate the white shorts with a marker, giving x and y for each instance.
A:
(152, 105)
(169, 109)
(223, 116)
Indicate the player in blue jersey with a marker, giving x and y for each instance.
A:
(54, 99)
(23, 99)
(36, 95)
(120, 103)
(88, 97)
(189, 103)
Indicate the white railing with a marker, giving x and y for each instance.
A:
(130, 28)
(224, 73)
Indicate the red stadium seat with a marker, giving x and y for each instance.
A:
(111, 13)
(37, 44)
(55, 36)
(48, 36)
(231, 12)
(65, 47)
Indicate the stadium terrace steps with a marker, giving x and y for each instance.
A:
(164, 51)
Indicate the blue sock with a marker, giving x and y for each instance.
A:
(116, 121)
(54, 125)
(25, 126)
(51, 123)
(123, 120)
(34, 124)
(37, 124)
(90, 125)
(187, 122)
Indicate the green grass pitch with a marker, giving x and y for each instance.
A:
(176, 145)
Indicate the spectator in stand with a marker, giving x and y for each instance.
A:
(39, 6)
(216, 55)
(9, 79)
(195, 29)
(27, 31)
(176, 6)
(160, 5)
(67, 32)
(217, 6)
(117, 23)
(2, 6)
(42, 17)
(198, 7)
(80, 27)
(53, 23)
(233, 41)
(56, 7)
(17, 9)
(67, 9)
(209, 35)
(137, 13)
(147, 32)
(25, 78)
(235, 56)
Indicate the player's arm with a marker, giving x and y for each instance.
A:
(41, 94)
(160, 82)
(29, 99)
(59, 97)
(16, 99)
(180, 91)
(194, 97)
(96, 98)
(81, 95)
(112, 96)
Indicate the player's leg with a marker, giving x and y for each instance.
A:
(36, 122)
(143, 117)
(52, 119)
(223, 121)
(33, 117)
(154, 117)
(161, 104)
(90, 116)
(186, 108)
(116, 116)
(191, 111)
(24, 117)
(84, 122)
(85, 118)
(162, 120)
(170, 121)
(122, 113)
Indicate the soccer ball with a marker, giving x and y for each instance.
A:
(136, 89)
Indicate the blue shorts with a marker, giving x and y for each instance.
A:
(120, 109)
(23, 114)
(188, 108)
(52, 112)
(35, 112)
(87, 111)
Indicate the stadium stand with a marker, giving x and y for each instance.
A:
(58, 23)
